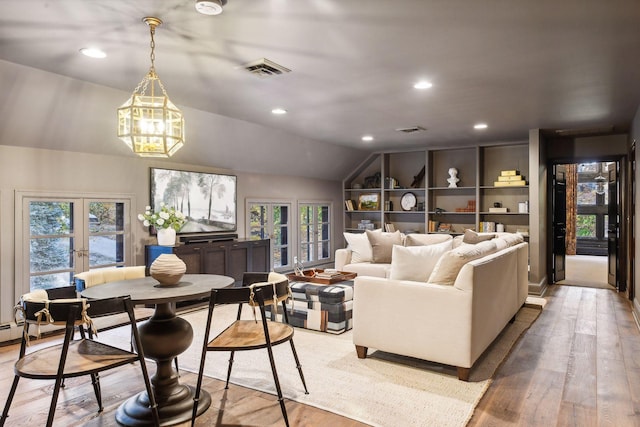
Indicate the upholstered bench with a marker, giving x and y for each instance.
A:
(325, 308)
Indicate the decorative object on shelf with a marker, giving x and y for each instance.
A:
(500, 228)
(356, 186)
(366, 224)
(497, 205)
(417, 179)
(444, 228)
(408, 201)
(523, 207)
(453, 178)
(510, 178)
(438, 211)
(369, 202)
(167, 219)
(167, 269)
(372, 181)
(151, 125)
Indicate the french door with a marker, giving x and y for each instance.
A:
(272, 220)
(62, 236)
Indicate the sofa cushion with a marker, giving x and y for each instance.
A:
(448, 266)
(473, 238)
(415, 239)
(360, 247)
(382, 245)
(416, 262)
(368, 269)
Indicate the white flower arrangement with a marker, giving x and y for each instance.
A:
(165, 218)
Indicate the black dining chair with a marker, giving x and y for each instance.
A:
(259, 289)
(75, 357)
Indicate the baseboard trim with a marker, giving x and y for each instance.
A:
(636, 312)
(538, 289)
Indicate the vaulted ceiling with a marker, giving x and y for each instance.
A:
(514, 65)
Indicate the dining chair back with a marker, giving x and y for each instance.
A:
(74, 357)
(258, 290)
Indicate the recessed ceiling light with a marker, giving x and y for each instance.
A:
(423, 84)
(93, 52)
(367, 138)
(480, 126)
(279, 111)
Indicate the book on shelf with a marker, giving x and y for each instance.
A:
(389, 227)
(521, 183)
(498, 210)
(433, 226)
(510, 178)
(510, 172)
(349, 205)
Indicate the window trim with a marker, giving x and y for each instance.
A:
(21, 263)
(332, 227)
(293, 228)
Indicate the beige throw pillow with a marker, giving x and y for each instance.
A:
(415, 239)
(382, 245)
(416, 262)
(360, 247)
(450, 263)
(473, 238)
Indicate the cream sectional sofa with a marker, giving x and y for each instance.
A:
(453, 315)
(357, 257)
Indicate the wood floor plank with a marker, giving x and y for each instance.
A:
(584, 344)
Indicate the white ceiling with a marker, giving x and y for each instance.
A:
(515, 65)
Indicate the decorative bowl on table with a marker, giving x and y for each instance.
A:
(167, 269)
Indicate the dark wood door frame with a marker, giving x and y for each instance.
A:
(626, 215)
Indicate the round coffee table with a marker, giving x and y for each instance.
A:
(164, 336)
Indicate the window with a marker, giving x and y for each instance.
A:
(271, 220)
(315, 232)
(62, 236)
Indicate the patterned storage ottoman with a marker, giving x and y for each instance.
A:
(325, 308)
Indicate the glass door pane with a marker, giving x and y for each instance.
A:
(52, 243)
(106, 243)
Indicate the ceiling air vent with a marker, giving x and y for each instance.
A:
(265, 68)
(411, 129)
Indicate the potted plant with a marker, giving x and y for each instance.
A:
(166, 221)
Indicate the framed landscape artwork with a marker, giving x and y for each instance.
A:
(369, 202)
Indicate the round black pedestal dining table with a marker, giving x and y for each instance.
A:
(164, 336)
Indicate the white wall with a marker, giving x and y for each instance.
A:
(35, 169)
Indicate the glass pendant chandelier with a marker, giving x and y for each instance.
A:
(150, 124)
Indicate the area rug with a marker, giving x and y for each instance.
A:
(381, 390)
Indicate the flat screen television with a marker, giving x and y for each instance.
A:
(208, 200)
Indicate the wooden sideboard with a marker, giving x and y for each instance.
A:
(228, 257)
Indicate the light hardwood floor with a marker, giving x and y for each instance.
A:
(578, 365)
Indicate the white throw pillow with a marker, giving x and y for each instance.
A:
(416, 262)
(450, 263)
(415, 239)
(360, 247)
